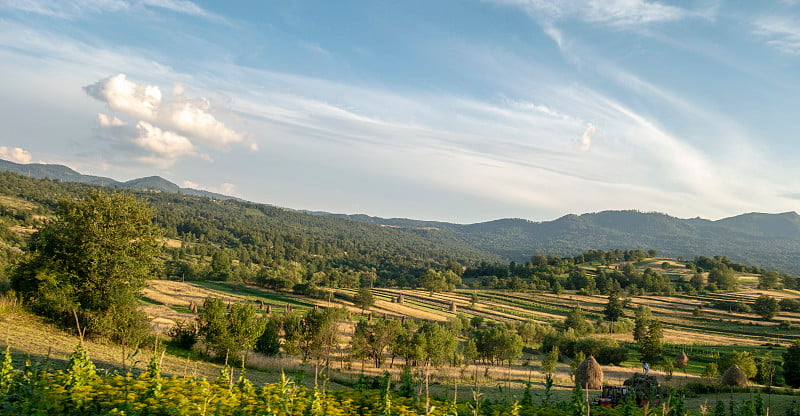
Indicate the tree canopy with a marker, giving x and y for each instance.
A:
(93, 258)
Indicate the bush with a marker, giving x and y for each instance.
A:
(183, 334)
(732, 306)
(789, 305)
(592, 345)
(614, 356)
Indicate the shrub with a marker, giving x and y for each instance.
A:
(615, 356)
(183, 334)
(789, 305)
(592, 345)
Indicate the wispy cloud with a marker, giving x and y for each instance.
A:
(314, 47)
(618, 13)
(779, 32)
(73, 9)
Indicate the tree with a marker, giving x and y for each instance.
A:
(229, 332)
(651, 347)
(615, 308)
(642, 321)
(768, 280)
(432, 281)
(269, 343)
(724, 277)
(94, 258)
(364, 299)
(550, 360)
(791, 365)
(577, 321)
(220, 265)
(314, 335)
(766, 306)
(372, 340)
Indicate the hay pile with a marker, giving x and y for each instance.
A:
(681, 360)
(734, 376)
(589, 374)
(645, 387)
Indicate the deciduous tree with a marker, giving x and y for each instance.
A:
(93, 258)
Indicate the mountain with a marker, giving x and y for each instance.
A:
(768, 240)
(66, 174)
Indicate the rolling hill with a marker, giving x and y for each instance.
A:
(770, 240)
(66, 174)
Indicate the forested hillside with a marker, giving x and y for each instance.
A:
(397, 249)
(770, 240)
(265, 242)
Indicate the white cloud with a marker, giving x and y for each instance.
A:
(15, 154)
(586, 138)
(779, 32)
(192, 117)
(109, 121)
(139, 100)
(226, 189)
(163, 148)
(190, 185)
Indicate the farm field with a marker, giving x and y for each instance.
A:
(704, 337)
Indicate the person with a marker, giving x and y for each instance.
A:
(646, 368)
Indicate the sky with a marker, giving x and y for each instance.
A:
(462, 111)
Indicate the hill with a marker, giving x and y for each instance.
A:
(66, 174)
(770, 240)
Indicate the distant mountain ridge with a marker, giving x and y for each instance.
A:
(768, 240)
(66, 174)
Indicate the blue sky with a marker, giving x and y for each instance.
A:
(462, 111)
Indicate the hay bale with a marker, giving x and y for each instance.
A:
(681, 360)
(734, 376)
(589, 374)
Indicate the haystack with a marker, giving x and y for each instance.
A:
(400, 299)
(453, 306)
(734, 376)
(681, 360)
(644, 386)
(589, 374)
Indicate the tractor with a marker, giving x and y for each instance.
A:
(643, 388)
(612, 395)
